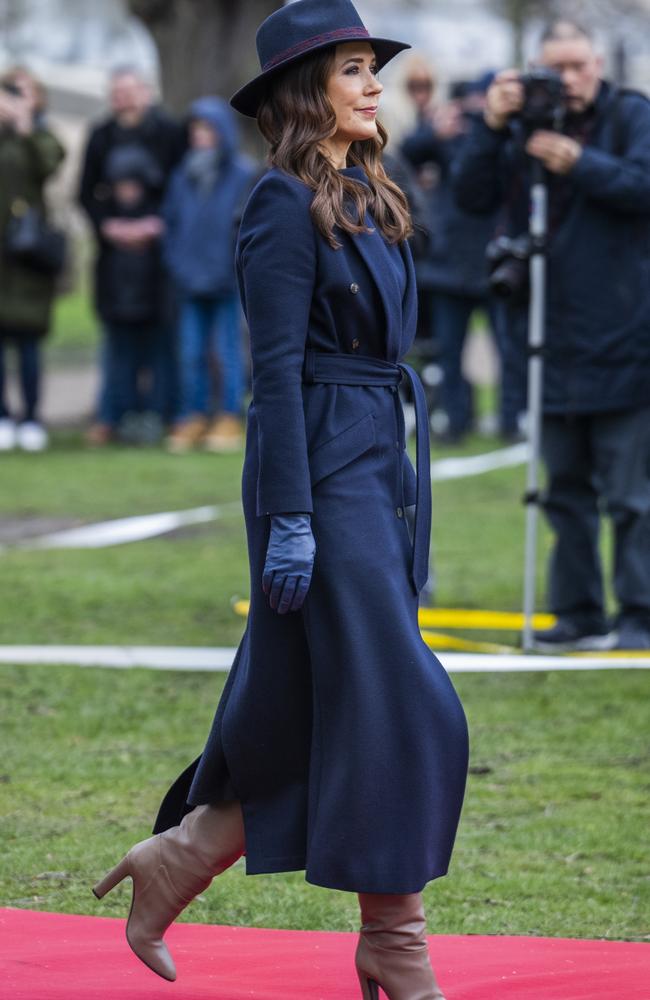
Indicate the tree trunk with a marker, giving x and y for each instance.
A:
(517, 12)
(204, 46)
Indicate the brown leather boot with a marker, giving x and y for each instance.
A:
(169, 870)
(392, 953)
(186, 435)
(226, 434)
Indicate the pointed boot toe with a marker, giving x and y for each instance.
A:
(168, 871)
(153, 952)
(156, 904)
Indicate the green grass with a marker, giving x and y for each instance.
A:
(553, 838)
(179, 590)
(74, 334)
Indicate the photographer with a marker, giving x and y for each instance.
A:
(455, 259)
(596, 420)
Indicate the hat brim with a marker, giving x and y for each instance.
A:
(248, 99)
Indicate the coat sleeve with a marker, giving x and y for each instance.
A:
(46, 152)
(277, 271)
(91, 177)
(482, 170)
(169, 212)
(620, 182)
(424, 146)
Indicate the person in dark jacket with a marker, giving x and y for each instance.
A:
(29, 155)
(202, 210)
(457, 269)
(134, 120)
(333, 684)
(596, 422)
(130, 292)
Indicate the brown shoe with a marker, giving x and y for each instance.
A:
(187, 435)
(226, 434)
(99, 435)
(168, 871)
(392, 953)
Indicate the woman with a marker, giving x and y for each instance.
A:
(29, 154)
(339, 745)
(203, 203)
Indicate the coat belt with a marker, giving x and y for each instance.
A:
(347, 369)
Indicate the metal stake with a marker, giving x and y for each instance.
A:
(538, 229)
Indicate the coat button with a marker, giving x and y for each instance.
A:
(400, 512)
(354, 288)
(355, 344)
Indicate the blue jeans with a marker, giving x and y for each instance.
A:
(451, 316)
(135, 363)
(29, 365)
(210, 330)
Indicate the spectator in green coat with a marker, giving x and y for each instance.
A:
(29, 154)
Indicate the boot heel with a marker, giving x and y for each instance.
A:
(114, 877)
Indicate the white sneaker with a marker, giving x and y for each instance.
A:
(31, 436)
(7, 434)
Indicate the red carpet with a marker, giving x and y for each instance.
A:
(47, 956)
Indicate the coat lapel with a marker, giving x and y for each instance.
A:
(401, 317)
(376, 259)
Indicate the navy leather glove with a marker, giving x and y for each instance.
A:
(289, 561)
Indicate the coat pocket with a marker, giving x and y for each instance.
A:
(339, 451)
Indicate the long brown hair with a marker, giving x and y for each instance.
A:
(295, 117)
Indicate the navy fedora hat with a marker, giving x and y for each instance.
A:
(299, 28)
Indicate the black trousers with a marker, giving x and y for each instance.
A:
(598, 464)
(29, 373)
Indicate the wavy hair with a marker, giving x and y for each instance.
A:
(295, 117)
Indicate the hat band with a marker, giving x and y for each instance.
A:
(310, 43)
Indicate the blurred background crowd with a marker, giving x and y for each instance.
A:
(119, 160)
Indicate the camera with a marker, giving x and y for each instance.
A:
(508, 263)
(544, 100)
(12, 88)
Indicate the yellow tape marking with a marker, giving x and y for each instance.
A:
(439, 641)
(470, 619)
(462, 618)
(465, 618)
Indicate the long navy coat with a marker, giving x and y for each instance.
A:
(338, 730)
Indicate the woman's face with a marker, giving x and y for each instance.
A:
(202, 135)
(354, 91)
(26, 87)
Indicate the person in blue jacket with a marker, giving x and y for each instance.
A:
(596, 419)
(339, 745)
(202, 207)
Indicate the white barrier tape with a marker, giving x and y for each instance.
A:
(126, 529)
(476, 465)
(123, 657)
(137, 529)
(221, 658)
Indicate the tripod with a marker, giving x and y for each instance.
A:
(538, 231)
